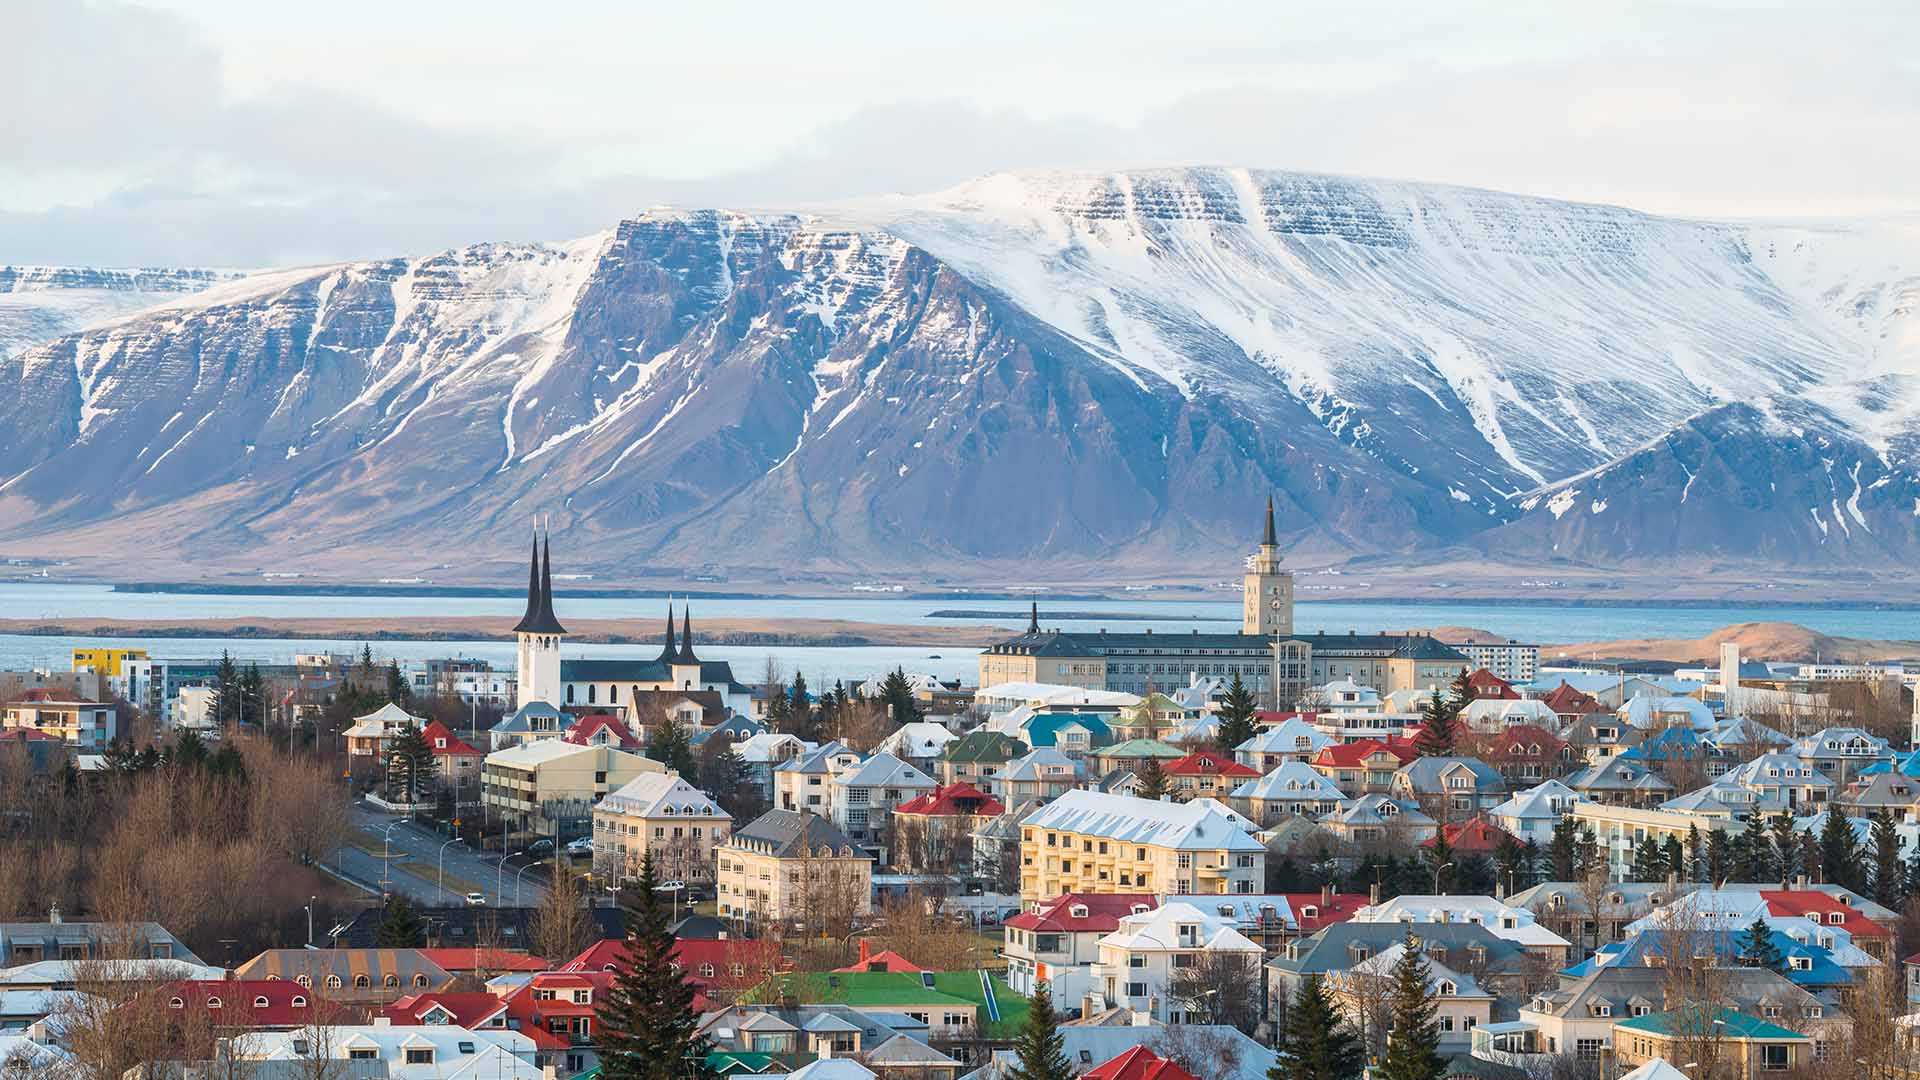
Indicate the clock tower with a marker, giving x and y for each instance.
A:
(1267, 590)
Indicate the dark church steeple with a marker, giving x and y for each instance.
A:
(1033, 619)
(1267, 539)
(539, 618)
(686, 637)
(667, 651)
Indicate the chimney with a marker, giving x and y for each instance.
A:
(866, 951)
(1145, 1019)
(53, 915)
(1800, 882)
(1087, 1006)
(1326, 896)
(1373, 893)
(1673, 883)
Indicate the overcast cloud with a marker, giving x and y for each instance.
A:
(243, 134)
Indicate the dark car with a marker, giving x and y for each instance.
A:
(540, 847)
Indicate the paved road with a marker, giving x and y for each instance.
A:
(420, 847)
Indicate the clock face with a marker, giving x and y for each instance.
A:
(1276, 603)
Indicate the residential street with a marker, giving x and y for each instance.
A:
(416, 860)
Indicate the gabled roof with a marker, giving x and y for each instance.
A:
(1211, 763)
(1427, 775)
(884, 960)
(1352, 755)
(464, 1009)
(1804, 902)
(783, 832)
(905, 1052)
(1141, 748)
(883, 770)
(1486, 684)
(1292, 780)
(1073, 913)
(1475, 836)
(957, 799)
(1139, 1063)
(583, 730)
(983, 747)
(1737, 1025)
(445, 743)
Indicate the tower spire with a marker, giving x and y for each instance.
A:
(686, 635)
(1267, 539)
(667, 651)
(539, 618)
(1033, 618)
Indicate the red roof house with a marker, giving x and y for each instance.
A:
(600, 729)
(446, 743)
(469, 1009)
(718, 967)
(556, 1008)
(1207, 774)
(1139, 1063)
(1315, 912)
(884, 960)
(1073, 913)
(1817, 906)
(1365, 767)
(1570, 703)
(469, 960)
(954, 800)
(250, 1003)
(1485, 684)
(1474, 836)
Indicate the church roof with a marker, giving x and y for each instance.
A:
(539, 618)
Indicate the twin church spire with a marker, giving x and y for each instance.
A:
(683, 654)
(539, 618)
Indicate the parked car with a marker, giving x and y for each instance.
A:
(582, 846)
(670, 886)
(476, 899)
(540, 847)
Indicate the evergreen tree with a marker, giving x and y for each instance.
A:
(1757, 948)
(1719, 857)
(1696, 855)
(1674, 856)
(1587, 858)
(1561, 849)
(1437, 733)
(1472, 875)
(1649, 862)
(1238, 719)
(189, 752)
(672, 748)
(1913, 870)
(1810, 853)
(400, 926)
(1889, 885)
(647, 1027)
(366, 661)
(1529, 864)
(1786, 848)
(1153, 780)
(897, 694)
(226, 691)
(1040, 1050)
(779, 711)
(1506, 859)
(227, 763)
(1839, 852)
(410, 767)
(1441, 862)
(1318, 1044)
(253, 696)
(397, 690)
(1460, 694)
(1751, 856)
(1413, 1037)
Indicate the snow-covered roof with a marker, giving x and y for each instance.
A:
(1290, 736)
(1517, 925)
(1545, 800)
(662, 795)
(1649, 711)
(1441, 979)
(771, 746)
(918, 739)
(1293, 780)
(883, 770)
(1158, 930)
(1492, 714)
(1203, 824)
(457, 1052)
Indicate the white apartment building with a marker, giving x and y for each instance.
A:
(863, 797)
(662, 815)
(1086, 841)
(1512, 661)
(1138, 963)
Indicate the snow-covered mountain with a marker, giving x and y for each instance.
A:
(40, 303)
(1061, 371)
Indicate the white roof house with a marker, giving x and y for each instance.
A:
(1442, 980)
(411, 1052)
(65, 974)
(918, 740)
(662, 795)
(884, 771)
(1655, 1069)
(833, 1068)
(771, 746)
(1290, 736)
(1011, 694)
(1178, 927)
(1503, 921)
(1200, 825)
(1292, 781)
(1648, 712)
(382, 722)
(1345, 696)
(1491, 715)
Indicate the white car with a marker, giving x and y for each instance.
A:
(476, 899)
(582, 846)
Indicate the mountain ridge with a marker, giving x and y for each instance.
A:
(1061, 370)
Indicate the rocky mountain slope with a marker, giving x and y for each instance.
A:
(40, 303)
(1058, 374)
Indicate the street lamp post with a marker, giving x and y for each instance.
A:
(516, 881)
(310, 903)
(1436, 877)
(386, 861)
(675, 890)
(500, 875)
(443, 863)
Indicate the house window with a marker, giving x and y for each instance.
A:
(362, 1053)
(1587, 1049)
(419, 1055)
(1773, 1057)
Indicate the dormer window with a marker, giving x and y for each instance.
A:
(176, 1003)
(1834, 918)
(213, 1003)
(260, 1002)
(1310, 911)
(1079, 911)
(1445, 988)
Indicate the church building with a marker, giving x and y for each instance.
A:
(1276, 663)
(554, 692)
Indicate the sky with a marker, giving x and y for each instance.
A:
(236, 133)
